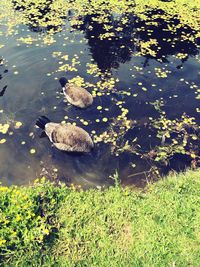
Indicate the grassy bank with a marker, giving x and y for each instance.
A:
(46, 225)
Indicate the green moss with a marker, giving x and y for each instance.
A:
(113, 227)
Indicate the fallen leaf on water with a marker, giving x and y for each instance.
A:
(32, 151)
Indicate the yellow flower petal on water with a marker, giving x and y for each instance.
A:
(18, 124)
(85, 123)
(2, 141)
(105, 119)
(99, 107)
(32, 151)
(4, 128)
(144, 88)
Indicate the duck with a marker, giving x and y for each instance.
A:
(69, 138)
(76, 95)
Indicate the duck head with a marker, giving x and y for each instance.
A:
(63, 81)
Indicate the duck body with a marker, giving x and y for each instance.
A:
(67, 138)
(76, 95)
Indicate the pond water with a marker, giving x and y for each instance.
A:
(142, 87)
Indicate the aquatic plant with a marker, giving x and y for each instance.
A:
(51, 15)
(115, 134)
(178, 136)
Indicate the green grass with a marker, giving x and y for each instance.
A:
(113, 227)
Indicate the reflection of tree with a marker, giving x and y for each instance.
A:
(108, 52)
(44, 16)
(2, 73)
(113, 38)
(125, 37)
(169, 34)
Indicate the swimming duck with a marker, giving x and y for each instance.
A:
(76, 95)
(68, 138)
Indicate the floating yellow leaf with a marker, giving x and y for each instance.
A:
(4, 128)
(18, 124)
(32, 151)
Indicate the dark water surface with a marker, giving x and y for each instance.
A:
(32, 90)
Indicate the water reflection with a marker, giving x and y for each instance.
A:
(123, 39)
(113, 45)
(2, 92)
(170, 38)
(113, 39)
(109, 52)
(3, 71)
(41, 17)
